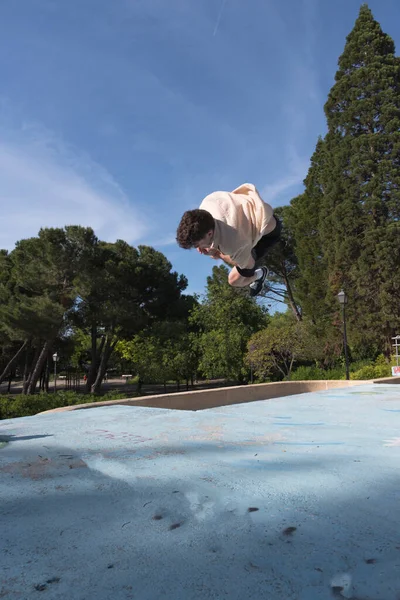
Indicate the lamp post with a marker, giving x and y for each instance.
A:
(55, 359)
(343, 301)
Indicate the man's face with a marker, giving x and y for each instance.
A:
(206, 241)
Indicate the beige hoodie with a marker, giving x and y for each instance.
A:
(241, 219)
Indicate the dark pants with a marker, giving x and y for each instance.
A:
(262, 247)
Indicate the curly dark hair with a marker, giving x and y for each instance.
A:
(194, 225)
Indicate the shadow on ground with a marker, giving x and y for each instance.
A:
(82, 533)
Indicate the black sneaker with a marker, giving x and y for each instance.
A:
(258, 284)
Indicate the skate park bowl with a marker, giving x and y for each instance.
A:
(211, 398)
(276, 492)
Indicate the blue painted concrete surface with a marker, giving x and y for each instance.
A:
(279, 499)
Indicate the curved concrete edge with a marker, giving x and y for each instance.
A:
(202, 399)
(391, 380)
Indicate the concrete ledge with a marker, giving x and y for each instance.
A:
(392, 380)
(201, 399)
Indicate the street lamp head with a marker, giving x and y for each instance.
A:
(342, 297)
(55, 357)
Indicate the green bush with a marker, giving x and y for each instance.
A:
(372, 372)
(12, 407)
(367, 372)
(359, 364)
(362, 369)
(380, 368)
(381, 360)
(304, 373)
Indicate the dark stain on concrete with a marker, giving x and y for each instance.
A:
(289, 530)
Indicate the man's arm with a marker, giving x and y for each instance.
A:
(217, 255)
(214, 253)
(235, 278)
(227, 260)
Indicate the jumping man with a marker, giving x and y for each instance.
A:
(237, 227)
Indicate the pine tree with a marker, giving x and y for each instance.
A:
(282, 263)
(359, 216)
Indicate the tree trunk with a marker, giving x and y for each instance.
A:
(12, 362)
(47, 375)
(39, 367)
(28, 374)
(10, 381)
(292, 302)
(388, 344)
(290, 369)
(42, 379)
(25, 373)
(108, 349)
(92, 371)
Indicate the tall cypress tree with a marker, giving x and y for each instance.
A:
(360, 230)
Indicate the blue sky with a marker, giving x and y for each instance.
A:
(122, 115)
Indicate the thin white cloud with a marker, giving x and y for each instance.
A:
(45, 183)
(219, 17)
(163, 242)
(273, 191)
(297, 171)
(301, 100)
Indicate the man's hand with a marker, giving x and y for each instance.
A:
(213, 252)
(227, 260)
(217, 255)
